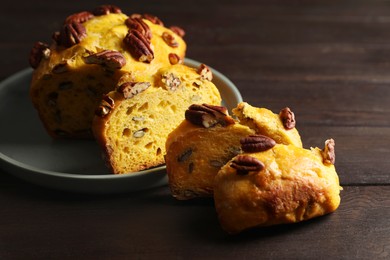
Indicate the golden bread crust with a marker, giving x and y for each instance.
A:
(66, 89)
(267, 123)
(293, 186)
(271, 179)
(210, 145)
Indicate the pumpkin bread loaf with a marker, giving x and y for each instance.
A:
(89, 54)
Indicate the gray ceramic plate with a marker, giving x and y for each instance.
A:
(27, 152)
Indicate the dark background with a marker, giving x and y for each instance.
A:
(327, 60)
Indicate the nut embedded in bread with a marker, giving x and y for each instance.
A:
(254, 167)
(280, 127)
(208, 138)
(195, 153)
(90, 52)
(132, 123)
(284, 184)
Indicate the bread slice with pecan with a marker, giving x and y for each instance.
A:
(132, 123)
(209, 137)
(199, 147)
(281, 126)
(254, 167)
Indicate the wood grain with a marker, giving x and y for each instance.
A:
(327, 60)
(153, 225)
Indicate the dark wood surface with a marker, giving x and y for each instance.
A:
(327, 60)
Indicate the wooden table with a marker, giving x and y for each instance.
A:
(327, 60)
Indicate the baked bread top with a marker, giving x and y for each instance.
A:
(208, 139)
(280, 127)
(88, 55)
(284, 184)
(254, 167)
(108, 32)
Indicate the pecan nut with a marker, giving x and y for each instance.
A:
(169, 39)
(328, 153)
(152, 18)
(288, 118)
(174, 58)
(138, 46)
(71, 34)
(245, 164)
(178, 30)
(106, 9)
(205, 72)
(256, 143)
(126, 77)
(107, 58)
(136, 23)
(38, 52)
(60, 67)
(105, 106)
(208, 115)
(81, 17)
(135, 15)
(56, 36)
(171, 81)
(130, 89)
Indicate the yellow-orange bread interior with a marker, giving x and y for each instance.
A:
(196, 152)
(91, 51)
(133, 122)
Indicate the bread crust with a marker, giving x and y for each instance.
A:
(267, 123)
(294, 185)
(213, 147)
(66, 87)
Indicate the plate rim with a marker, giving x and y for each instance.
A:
(7, 162)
